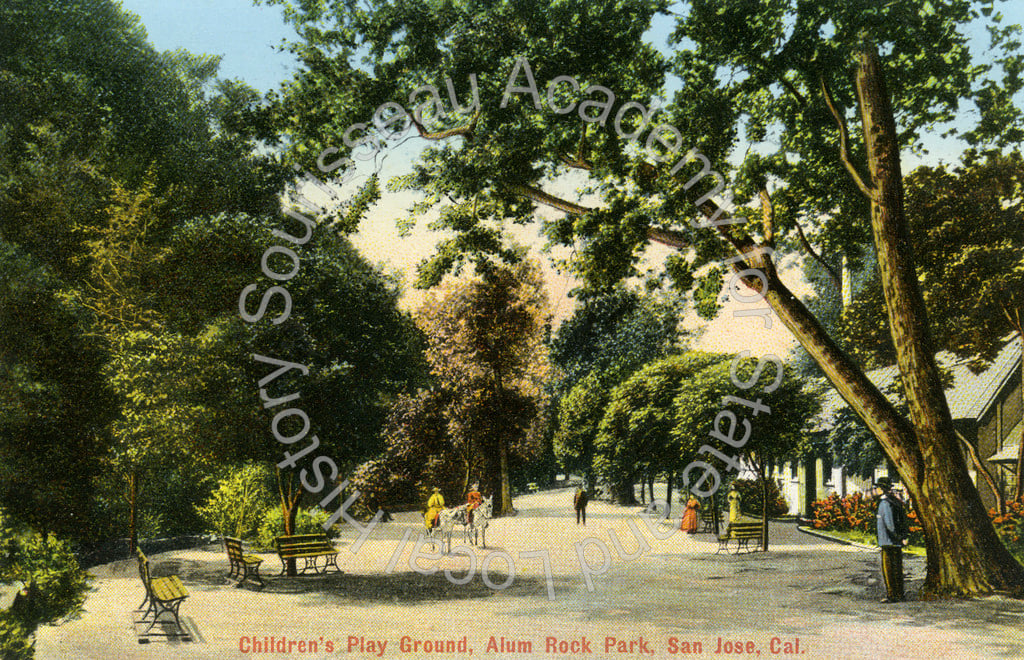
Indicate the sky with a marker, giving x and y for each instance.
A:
(249, 40)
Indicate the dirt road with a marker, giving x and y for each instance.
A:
(612, 592)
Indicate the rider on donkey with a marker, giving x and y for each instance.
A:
(434, 507)
(473, 500)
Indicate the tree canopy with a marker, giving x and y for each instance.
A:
(781, 75)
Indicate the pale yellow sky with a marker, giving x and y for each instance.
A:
(379, 241)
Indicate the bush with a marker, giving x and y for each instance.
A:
(1010, 527)
(750, 491)
(55, 585)
(308, 521)
(14, 639)
(858, 512)
(238, 505)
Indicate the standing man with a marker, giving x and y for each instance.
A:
(579, 502)
(892, 535)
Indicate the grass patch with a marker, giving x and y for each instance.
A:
(864, 538)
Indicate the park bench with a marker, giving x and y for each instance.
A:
(307, 547)
(708, 521)
(163, 594)
(743, 532)
(242, 565)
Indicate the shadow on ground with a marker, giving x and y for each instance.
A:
(370, 590)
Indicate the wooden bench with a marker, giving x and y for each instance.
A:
(242, 565)
(307, 547)
(163, 594)
(708, 521)
(743, 532)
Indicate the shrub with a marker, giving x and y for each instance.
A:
(55, 585)
(237, 506)
(14, 639)
(1010, 527)
(858, 513)
(750, 491)
(308, 521)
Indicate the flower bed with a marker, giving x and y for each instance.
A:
(857, 513)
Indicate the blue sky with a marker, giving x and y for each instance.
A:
(245, 36)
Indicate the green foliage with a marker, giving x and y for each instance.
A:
(56, 585)
(774, 435)
(636, 433)
(236, 508)
(967, 226)
(307, 521)
(15, 640)
(752, 497)
(608, 337)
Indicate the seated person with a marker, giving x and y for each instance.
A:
(434, 507)
(473, 500)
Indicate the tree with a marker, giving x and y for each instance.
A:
(780, 68)
(635, 435)
(968, 225)
(766, 439)
(609, 336)
(485, 351)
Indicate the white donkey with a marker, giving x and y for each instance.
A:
(446, 521)
(481, 518)
(448, 518)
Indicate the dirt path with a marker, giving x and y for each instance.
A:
(806, 597)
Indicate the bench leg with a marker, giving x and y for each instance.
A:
(254, 572)
(331, 560)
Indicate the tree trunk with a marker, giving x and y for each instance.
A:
(133, 516)
(289, 498)
(965, 556)
(668, 495)
(1018, 489)
(945, 498)
(506, 491)
(762, 475)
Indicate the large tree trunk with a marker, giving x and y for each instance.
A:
(947, 501)
(965, 556)
(289, 497)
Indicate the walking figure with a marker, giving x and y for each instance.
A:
(579, 502)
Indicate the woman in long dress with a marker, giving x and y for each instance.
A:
(690, 516)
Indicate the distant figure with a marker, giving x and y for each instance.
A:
(473, 500)
(579, 502)
(434, 507)
(690, 516)
(734, 498)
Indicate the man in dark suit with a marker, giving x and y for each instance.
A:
(892, 536)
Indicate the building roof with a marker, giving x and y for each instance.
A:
(970, 396)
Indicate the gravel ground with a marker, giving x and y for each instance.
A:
(660, 597)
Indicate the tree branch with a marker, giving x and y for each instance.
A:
(844, 142)
(465, 131)
(976, 459)
(668, 237)
(542, 197)
(817, 257)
